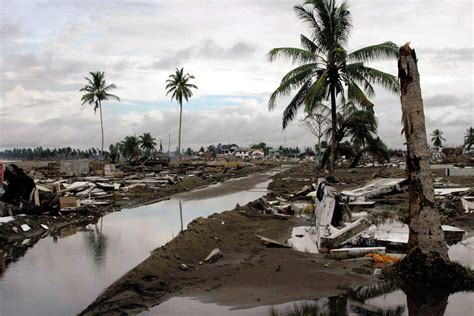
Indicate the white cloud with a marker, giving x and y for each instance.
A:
(49, 46)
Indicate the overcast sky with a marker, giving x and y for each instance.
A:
(48, 47)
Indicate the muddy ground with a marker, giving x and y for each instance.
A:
(249, 273)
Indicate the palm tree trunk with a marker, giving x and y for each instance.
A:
(356, 159)
(179, 134)
(426, 238)
(102, 129)
(332, 157)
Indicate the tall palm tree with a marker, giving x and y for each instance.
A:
(180, 88)
(97, 91)
(437, 138)
(469, 138)
(326, 70)
(147, 143)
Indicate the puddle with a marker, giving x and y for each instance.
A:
(303, 239)
(190, 306)
(62, 275)
(380, 299)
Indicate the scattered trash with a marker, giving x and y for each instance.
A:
(69, 202)
(447, 191)
(25, 227)
(382, 258)
(6, 219)
(467, 205)
(213, 256)
(347, 253)
(348, 232)
(183, 267)
(271, 243)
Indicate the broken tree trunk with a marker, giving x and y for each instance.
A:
(428, 251)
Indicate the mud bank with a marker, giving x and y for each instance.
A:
(248, 273)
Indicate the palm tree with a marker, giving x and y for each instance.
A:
(469, 138)
(360, 125)
(326, 70)
(147, 143)
(180, 88)
(114, 152)
(97, 91)
(437, 138)
(130, 147)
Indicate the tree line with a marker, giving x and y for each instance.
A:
(40, 153)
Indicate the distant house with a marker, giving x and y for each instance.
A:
(228, 149)
(257, 154)
(242, 153)
(273, 152)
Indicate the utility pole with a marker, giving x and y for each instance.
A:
(169, 142)
(181, 214)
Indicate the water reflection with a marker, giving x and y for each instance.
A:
(96, 243)
(383, 299)
(62, 274)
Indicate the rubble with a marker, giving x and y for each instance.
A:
(375, 188)
(271, 243)
(345, 234)
(448, 191)
(347, 253)
(213, 256)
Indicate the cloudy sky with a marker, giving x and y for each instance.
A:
(48, 47)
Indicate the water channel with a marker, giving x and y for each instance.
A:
(61, 276)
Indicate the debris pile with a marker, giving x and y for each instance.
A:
(375, 229)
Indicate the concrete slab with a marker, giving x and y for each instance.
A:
(374, 188)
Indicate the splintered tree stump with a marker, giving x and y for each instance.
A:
(426, 242)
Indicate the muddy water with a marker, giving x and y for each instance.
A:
(61, 276)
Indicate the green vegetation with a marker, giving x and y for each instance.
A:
(180, 88)
(469, 138)
(95, 92)
(40, 153)
(437, 138)
(325, 68)
(147, 143)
